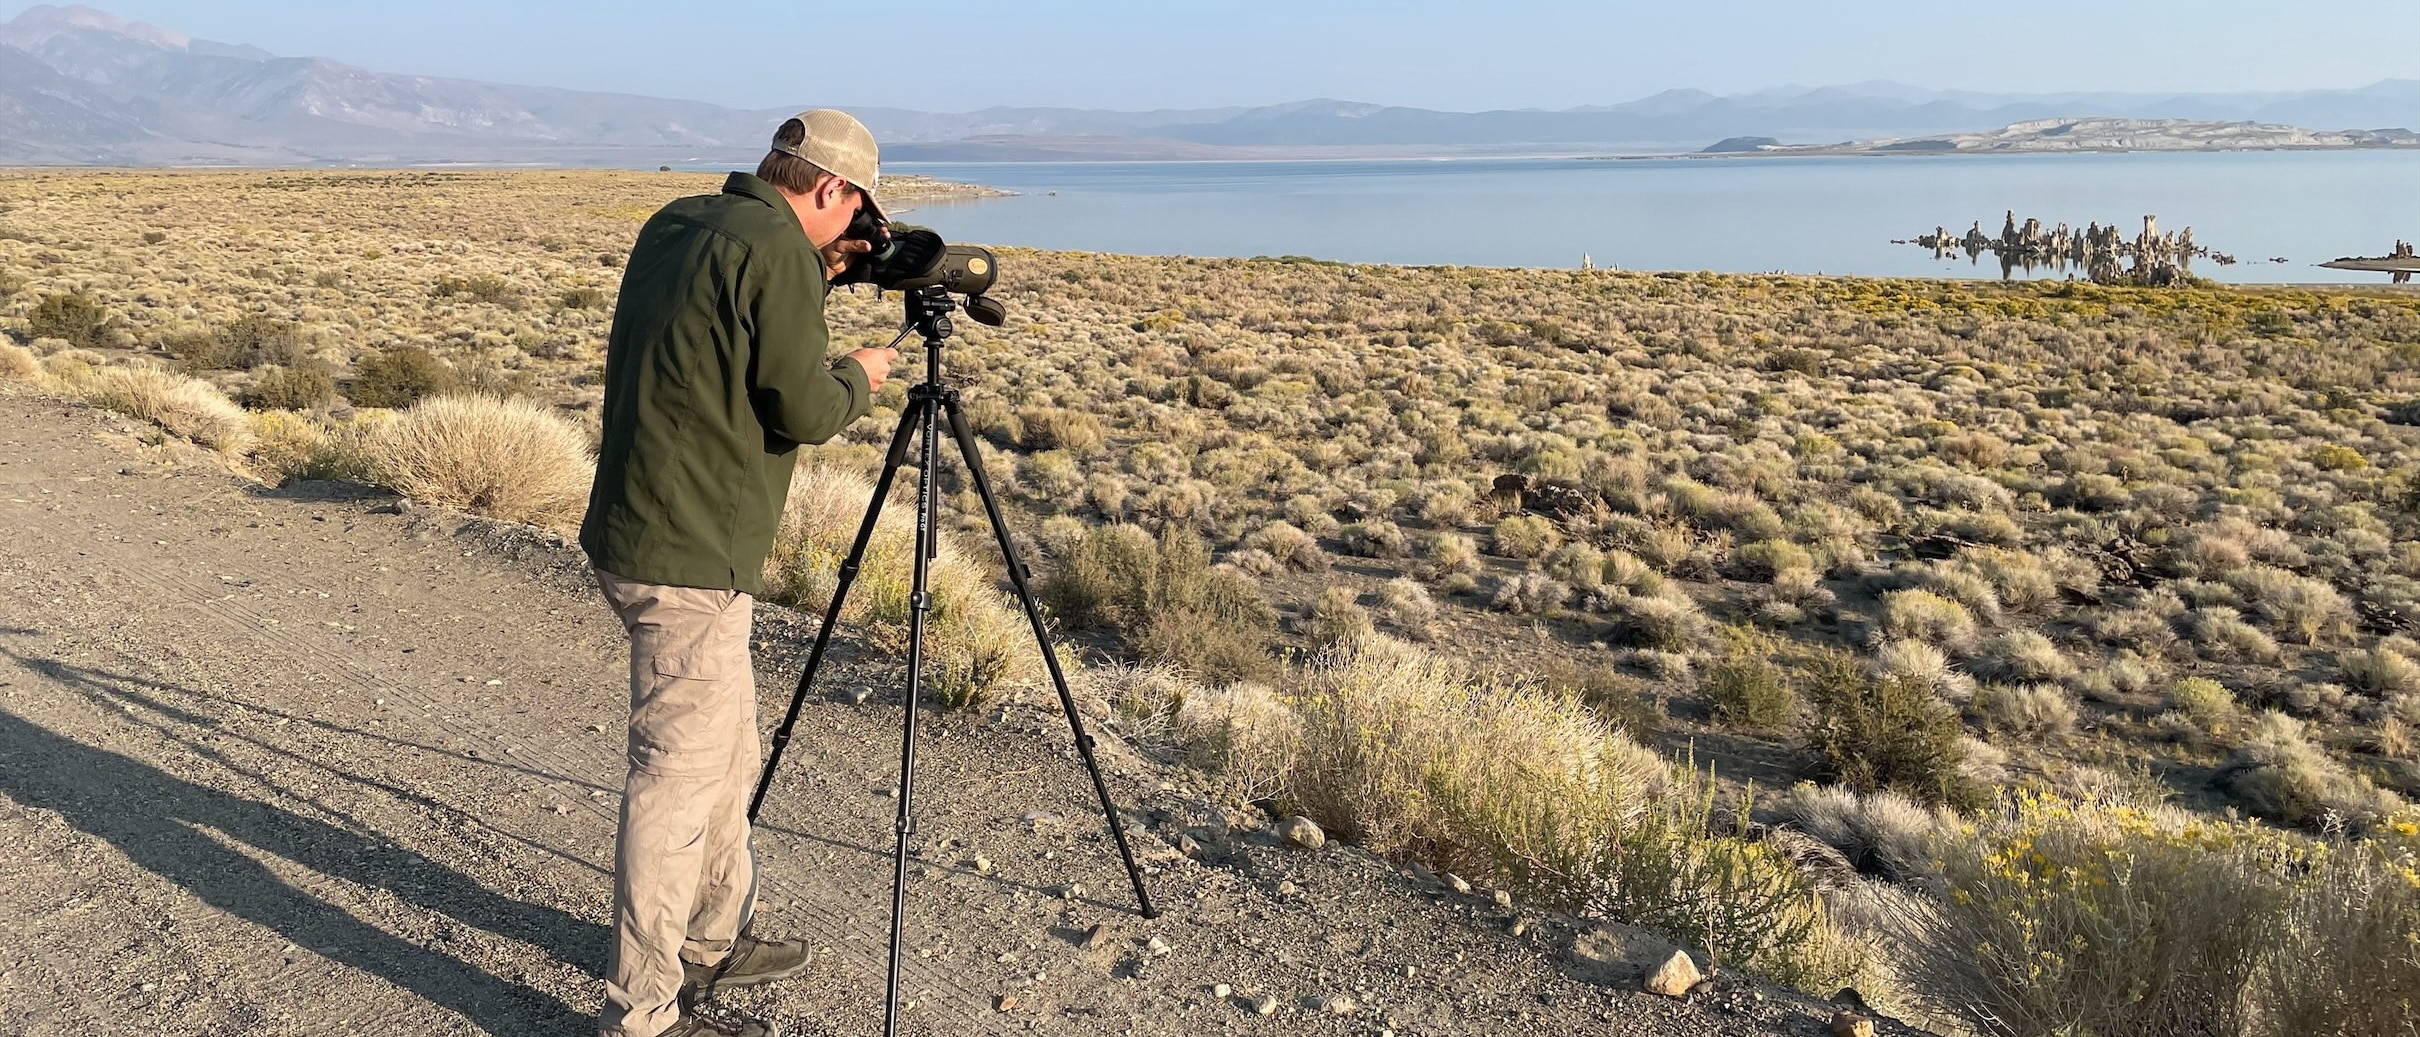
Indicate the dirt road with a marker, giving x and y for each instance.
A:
(299, 762)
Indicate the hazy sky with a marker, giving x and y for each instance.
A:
(955, 55)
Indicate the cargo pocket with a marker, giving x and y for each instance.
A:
(685, 725)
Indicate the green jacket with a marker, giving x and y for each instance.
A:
(714, 374)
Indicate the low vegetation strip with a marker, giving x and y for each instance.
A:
(2138, 554)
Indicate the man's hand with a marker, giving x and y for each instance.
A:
(840, 253)
(877, 363)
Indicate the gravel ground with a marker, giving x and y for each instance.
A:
(306, 762)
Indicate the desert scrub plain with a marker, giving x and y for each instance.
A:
(2039, 658)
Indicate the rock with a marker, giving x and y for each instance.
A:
(1675, 976)
(1221, 991)
(1338, 1004)
(1518, 926)
(1846, 1023)
(983, 865)
(1189, 846)
(1287, 888)
(1303, 832)
(859, 695)
(1156, 946)
(1267, 1005)
(1096, 937)
(1004, 1002)
(1457, 883)
(1503, 898)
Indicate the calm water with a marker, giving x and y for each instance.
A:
(1801, 215)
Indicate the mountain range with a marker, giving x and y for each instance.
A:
(80, 86)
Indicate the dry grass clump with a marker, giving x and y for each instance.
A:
(2060, 917)
(182, 405)
(506, 459)
(1880, 832)
(2280, 774)
(1408, 754)
(977, 643)
(19, 365)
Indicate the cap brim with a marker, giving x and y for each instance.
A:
(871, 201)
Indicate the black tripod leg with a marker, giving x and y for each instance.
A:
(920, 603)
(1050, 657)
(908, 420)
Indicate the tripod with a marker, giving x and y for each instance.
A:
(928, 404)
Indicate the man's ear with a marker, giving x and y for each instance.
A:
(830, 192)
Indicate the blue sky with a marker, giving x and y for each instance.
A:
(957, 55)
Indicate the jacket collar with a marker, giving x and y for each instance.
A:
(747, 185)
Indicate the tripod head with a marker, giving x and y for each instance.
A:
(929, 309)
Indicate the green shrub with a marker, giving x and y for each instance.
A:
(585, 297)
(1337, 617)
(487, 288)
(305, 386)
(1918, 615)
(1526, 536)
(241, 344)
(1747, 688)
(1162, 598)
(1892, 732)
(73, 316)
(2206, 702)
(400, 377)
(1762, 559)
(1376, 538)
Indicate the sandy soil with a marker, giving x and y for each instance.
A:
(304, 762)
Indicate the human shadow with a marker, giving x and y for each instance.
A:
(180, 831)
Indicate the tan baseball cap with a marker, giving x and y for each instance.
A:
(841, 146)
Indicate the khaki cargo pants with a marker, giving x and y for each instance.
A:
(684, 877)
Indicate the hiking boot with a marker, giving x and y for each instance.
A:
(751, 961)
(721, 1024)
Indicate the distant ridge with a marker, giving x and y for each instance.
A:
(82, 86)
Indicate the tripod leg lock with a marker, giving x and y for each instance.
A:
(920, 601)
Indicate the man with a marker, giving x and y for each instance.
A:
(714, 375)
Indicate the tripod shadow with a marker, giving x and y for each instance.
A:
(179, 830)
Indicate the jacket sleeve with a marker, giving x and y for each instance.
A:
(798, 394)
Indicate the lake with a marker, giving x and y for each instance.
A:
(1805, 214)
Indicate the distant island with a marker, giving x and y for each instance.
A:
(2073, 135)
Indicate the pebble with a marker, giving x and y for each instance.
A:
(858, 695)
(1338, 1004)
(1221, 990)
(1157, 946)
(1457, 883)
(1096, 937)
(983, 865)
(1287, 889)
(1846, 1023)
(1303, 832)
(1503, 898)
(1675, 976)
(1003, 1003)
(1267, 1005)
